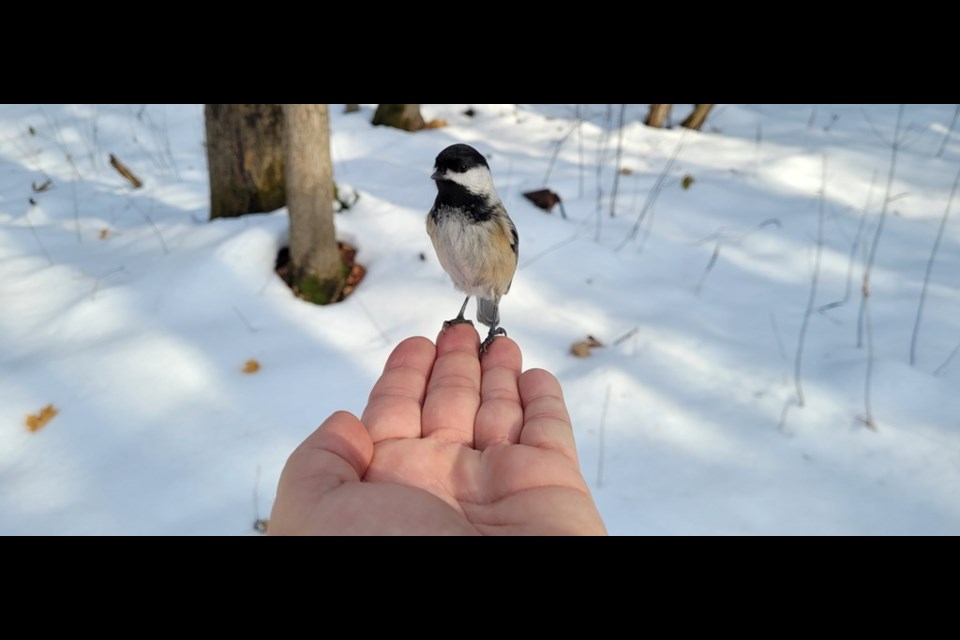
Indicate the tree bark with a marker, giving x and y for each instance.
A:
(696, 119)
(401, 116)
(317, 268)
(657, 115)
(245, 158)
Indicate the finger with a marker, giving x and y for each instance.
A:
(546, 423)
(453, 392)
(393, 409)
(339, 451)
(500, 416)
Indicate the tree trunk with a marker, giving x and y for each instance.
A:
(696, 119)
(657, 115)
(317, 269)
(401, 116)
(245, 158)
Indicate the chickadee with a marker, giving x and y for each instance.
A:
(475, 239)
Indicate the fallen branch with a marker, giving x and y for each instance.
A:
(125, 172)
(926, 276)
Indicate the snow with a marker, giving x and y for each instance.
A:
(133, 315)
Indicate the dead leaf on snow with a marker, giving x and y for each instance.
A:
(37, 421)
(251, 366)
(582, 348)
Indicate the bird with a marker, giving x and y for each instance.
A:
(476, 241)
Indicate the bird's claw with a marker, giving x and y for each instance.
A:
(499, 331)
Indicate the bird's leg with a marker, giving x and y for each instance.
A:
(494, 332)
(459, 319)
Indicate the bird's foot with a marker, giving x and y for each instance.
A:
(499, 331)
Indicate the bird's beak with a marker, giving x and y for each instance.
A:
(436, 175)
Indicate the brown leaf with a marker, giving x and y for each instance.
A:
(436, 124)
(38, 421)
(543, 198)
(104, 233)
(582, 348)
(626, 171)
(40, 188)
(251, 366)
(687, 181)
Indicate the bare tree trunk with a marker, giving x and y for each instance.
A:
(317, 268)
(696, 119)
(401, 116)
(657, 115)
(245, 158)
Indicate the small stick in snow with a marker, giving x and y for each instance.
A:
(603, 420)
(943, 366)
(125, 172)
(96, 282)
(813, 288)
(616, 173)
(946, 138)
(626, 336)
(926, 276)
(243, 319)
(865, 290)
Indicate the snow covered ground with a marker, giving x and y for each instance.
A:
(133, 315)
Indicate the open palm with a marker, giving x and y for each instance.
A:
(449, 443)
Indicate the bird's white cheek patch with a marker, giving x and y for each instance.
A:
(476, 180)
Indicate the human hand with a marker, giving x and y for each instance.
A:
(449, 444)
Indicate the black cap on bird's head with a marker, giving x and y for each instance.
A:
(457, 158)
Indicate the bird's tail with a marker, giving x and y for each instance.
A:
(488, 311)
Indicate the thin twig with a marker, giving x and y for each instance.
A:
(603, 420)
(946, 138)
(616, 171)
(943, 366)
(877, 131)
(36, 237)
(868, 378)
(76, 209)
(926, 276)
(776, 334)
(549, 249)
(814, 279)
(782, 424)
(601, 152)
(556, 152)
(96, 283)
(865, 288)
(580, 149)
(652, 196)
(853, 250)
(709, 267)
(625, 336)
(156, 229)
(243, 319)
(373, 321)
